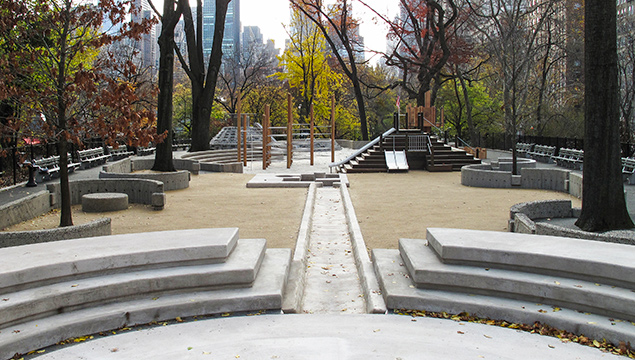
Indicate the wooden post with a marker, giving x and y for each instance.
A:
(332, 128)
(289, 132)
(245, 127)
(238, 130)
(265, 138)
(311, 132)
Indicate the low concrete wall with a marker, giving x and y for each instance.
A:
(99, 227)
(575, 185)
(172, 180)
(24, 209)
(139, 191)
(554, 230)
(482, 175)
(543, 209)
(234, 167)
(506, 164)
(545, 179)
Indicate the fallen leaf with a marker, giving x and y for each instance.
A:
(460, 332)
(551, 346)
(556, 282)
(489, 337)
(178, 319)
(189, 348)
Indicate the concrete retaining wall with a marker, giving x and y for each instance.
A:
(99, 227)
(139, 191)
(545, 179)
(554, 230)
(121, 166)
(171, 180)
(482, 175)
(25, 209)
(543, 209)
(234, 167)
(575, 185)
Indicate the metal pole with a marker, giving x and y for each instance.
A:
(289, 132)
(238, 130)
(245, 127)
(311, 133)
(332, 128)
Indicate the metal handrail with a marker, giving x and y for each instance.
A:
(430, 150)
(364, 148)
(441, 130)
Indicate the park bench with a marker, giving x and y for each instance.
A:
(628, 169)
(181, 145)
(92, 157)
(542, 153)
(523, 149)
(49, 167)
(569, 158)
(144, 151)
(119, 153)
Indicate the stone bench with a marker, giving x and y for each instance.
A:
(581, 286)
(103, 202)
(79, 287)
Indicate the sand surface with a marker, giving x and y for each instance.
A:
(388, 207)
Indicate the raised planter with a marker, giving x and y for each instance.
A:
(171, 180)
(99, 227)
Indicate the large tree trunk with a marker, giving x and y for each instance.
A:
(603, 203)
(163, 156)
(66, 215)
(202, 106)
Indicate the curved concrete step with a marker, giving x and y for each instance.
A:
(75, 259)
(239, 270)
(266, 293)
(400, 292)
(593, 261)
(428, 272)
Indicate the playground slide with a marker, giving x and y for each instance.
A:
(402, 161)
(396, 160)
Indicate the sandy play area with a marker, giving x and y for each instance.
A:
(388, 207)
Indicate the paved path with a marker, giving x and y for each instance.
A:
(332, 282)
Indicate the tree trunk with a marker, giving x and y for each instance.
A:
(163, 156)
(66, 215)
(603, 204)
(202, 108)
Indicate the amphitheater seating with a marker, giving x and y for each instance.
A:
(576, 285)
(79, 287)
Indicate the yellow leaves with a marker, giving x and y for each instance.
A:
(178, 319)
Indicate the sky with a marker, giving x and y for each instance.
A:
(270, 15)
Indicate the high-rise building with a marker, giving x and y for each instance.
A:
(231, 38)
(147, 45)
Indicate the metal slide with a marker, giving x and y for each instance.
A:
(396, 160)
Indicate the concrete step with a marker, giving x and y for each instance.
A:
(68, 260)
(428, 272)
(400, 292)
(593, 261)
(265, 294)
(239, 270)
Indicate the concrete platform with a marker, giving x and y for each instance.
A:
(588, 260)
(428, 272)
(103, 202)
(297, 180)
(266, 293)
(53, 261)
(325, 337)
(400, 292)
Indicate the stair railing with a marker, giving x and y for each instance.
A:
(362, 150)
(431, 151)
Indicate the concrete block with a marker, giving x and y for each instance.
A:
(158, 201)
(543, 209)
(103, 202)
(523, 224)
(546, 179)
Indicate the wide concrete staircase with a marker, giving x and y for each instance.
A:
(373, 159)
(585, 287)
(50, 292)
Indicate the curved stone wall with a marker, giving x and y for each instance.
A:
(171, 180)
(24, 209)
(99, 227)
(139, 191)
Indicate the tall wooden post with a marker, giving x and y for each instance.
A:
(238, 129)
(311, 132)
(332, 128)
(265, 138)
(289, 132)
(245, 127)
